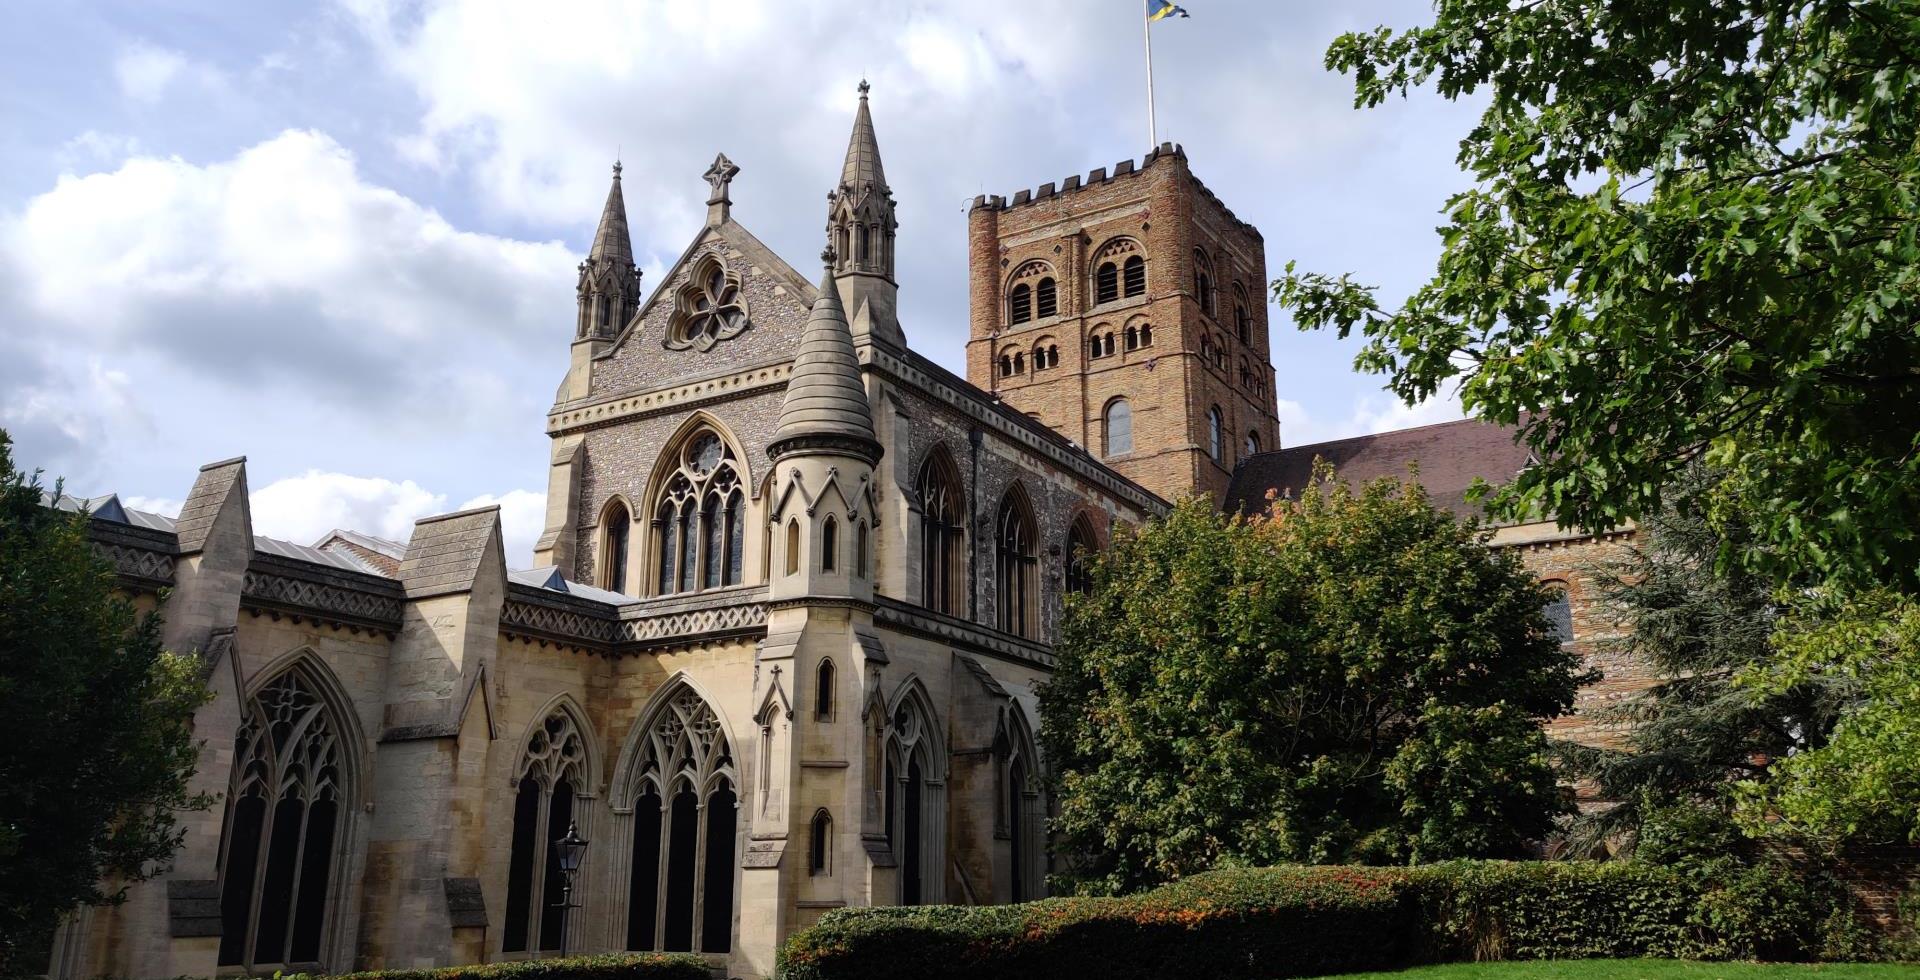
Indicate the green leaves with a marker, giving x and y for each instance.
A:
(100, 743)
(1353, 678)
(1691, 233)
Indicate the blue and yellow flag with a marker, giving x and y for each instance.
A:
(1162, 9)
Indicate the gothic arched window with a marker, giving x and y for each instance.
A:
(1242, 314)
(823, 691)
(616, 526)
(793, 546)
(1046, 300)
(1214, 425)
(1022, 815)
(915, 799)
(820, 845)
(699, 525)
(550, 776)
(685, 830)
(1017, 580)
(1203, 281)
(943, 536)
(1253, 442)
(860, 550)
(288, 805)
(1119, 428)
(1081, 547)
(710, 308)
(830, 545)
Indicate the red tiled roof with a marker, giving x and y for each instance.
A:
(1450, 456)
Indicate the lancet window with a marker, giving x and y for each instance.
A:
(550, 776)
(288, 805)
(1018, 578)
(685, 832)
(914, 806)
(699, 522)
(943, 536)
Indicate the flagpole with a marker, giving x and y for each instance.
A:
(1146, 32)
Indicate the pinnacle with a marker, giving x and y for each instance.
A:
(611, 242)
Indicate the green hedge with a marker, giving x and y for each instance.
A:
(624, 966)
(1307, 921)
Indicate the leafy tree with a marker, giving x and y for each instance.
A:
(1863, 781)
(1699, 729)
(99, 743)
(1352, 678)
(1691, 234)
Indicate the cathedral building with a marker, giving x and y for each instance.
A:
(778, 647)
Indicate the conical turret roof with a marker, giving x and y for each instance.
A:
(863, 153)
(826, 397)
(611, 241)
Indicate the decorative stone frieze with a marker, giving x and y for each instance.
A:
(284, 586)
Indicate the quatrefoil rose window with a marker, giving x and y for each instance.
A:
(710, 309)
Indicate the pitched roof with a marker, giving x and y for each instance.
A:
(1450, 456)
(375, 554)
(826, 395)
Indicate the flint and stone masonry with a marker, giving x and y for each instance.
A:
(778, 648)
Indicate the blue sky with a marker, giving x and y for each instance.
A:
(339, 237)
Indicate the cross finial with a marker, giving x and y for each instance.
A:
(864, 87)
(826, 256)
(616, 168)
(719, 176)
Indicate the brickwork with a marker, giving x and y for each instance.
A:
(1196, 362)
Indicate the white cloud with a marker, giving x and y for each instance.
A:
(1371, 413)
(145, 72)
(304, 508)
(279, 275)
(523, 515)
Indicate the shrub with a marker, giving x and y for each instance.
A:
(623, 966)
(1304, 921)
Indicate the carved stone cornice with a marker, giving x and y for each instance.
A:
(680, 397)
(908, 618)
(142, 557)
(915, 372)
(743, 619)
(287, 587)
(545, 617)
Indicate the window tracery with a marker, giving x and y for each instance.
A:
(548, 779)
(287, 809)
(685, 830)
(709, 309)
(943, 551)
(699, 522)
(1018, 578)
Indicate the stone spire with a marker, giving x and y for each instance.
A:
(826, 404)
(609, 290)
(611, 240)
(862, 170)
(860, 226)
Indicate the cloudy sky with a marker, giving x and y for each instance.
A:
(339, 237)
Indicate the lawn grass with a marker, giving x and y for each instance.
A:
(1648, 970)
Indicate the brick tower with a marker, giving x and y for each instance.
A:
(1127, 312)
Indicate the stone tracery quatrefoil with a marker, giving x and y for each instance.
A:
(710, 309)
